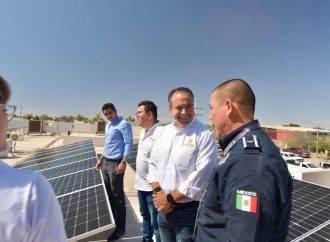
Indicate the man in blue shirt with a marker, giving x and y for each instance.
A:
(118, 147)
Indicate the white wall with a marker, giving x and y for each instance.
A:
(98, 141)
(319, 177)
(18, 124)
(84, 128)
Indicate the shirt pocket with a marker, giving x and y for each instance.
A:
(186, 158)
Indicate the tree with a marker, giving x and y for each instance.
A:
(28, 116)
(64, 118)
(130, 119)
(298, 140)
(81, 118)
(98, 117)
(45, 117)
(291, 125)
(323, 144)
(211, 127)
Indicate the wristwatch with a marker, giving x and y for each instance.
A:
(170, 199)
(156, 190)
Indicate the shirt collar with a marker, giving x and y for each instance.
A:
(116, 120)
(228, 138)
(151, 129)
(190, 124)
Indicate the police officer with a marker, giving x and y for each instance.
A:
(249, 194)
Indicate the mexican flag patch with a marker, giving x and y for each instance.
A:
(246, 201)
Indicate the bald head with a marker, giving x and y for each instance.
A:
(239, 92)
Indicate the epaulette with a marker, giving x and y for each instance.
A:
(251, 143)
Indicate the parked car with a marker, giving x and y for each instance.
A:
(300, 152)
(291, 158)
(308, 165)
(325, 164)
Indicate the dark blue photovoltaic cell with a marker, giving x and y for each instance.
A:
(132, 159)
(310, 216)
(85, 211)
(76, 181)
(62, 155)
(78, 186)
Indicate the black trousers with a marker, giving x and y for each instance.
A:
(114, 184)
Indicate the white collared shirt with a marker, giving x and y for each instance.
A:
(183, 159)
(29, 210)
(146, 142)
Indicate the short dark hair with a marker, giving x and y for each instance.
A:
(179, 89)
(238, 91)
(149, 106)
(4, 91)
(109, 105)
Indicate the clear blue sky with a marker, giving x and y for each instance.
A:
(68, 57)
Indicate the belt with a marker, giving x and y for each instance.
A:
(187, 204)
(113, 160)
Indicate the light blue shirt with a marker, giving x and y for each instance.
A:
(118, 139)
(29, 210)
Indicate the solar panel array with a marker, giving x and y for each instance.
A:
(310, 216)
(80, 190)
(78, 186)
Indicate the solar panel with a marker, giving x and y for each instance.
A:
(79, 188)
(132, 160)
(310, 216)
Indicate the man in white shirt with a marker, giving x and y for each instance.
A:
(181, 162)
(146, 117)
(29, 210)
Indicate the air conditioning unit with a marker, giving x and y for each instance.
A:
(17, 137)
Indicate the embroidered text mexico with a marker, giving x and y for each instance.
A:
(254, 194)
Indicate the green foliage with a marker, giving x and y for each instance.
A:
(98, 117)
(291, 125)
(211, 127)
(28, 116)
(65, 118)
(45, 117)
(130, 119)
(80, 118)
(324, 144)
(298, 140)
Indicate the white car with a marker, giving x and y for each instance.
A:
(291, 158)
(308, 165)
(325, 164)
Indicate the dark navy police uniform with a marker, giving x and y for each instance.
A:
(249, 193)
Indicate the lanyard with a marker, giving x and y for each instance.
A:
(246, 130)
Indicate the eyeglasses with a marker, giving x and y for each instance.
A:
(9, 110)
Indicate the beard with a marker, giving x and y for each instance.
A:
(185, 120)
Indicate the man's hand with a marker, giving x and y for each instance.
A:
(98, 165)
(121, 168)
(161, 203)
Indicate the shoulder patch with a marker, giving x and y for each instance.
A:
(251, 142)
(246, 201)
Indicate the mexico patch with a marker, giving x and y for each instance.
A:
(246, 201)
